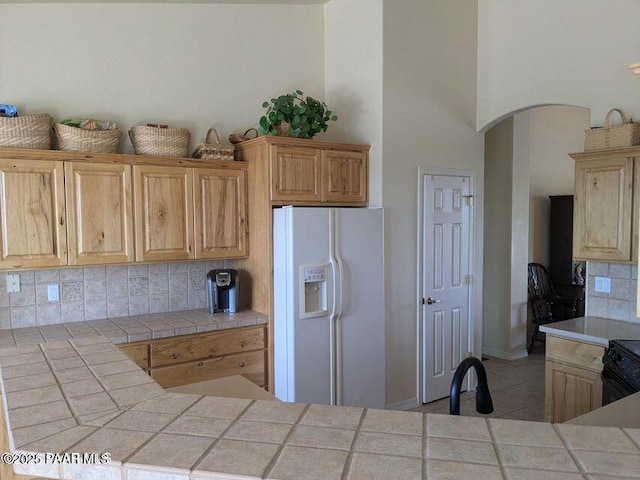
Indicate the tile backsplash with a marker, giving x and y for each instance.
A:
(620, 302)
(91, 293)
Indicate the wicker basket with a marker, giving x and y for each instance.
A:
(81, 140)
(160, 142)
(626, 134)
(213, 151)
(29, 131)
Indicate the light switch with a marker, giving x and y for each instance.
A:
(603, 285)
(13, 282)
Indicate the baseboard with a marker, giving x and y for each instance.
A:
(504, 355)
(404, 404)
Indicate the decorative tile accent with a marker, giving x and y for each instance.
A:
(72, 292)
(138, 286)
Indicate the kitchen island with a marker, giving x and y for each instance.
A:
(83, 395)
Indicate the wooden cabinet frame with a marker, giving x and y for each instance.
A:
(573, 383)
(32, 209)
(607, 205)
(105, 214)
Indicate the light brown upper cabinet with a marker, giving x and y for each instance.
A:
(606, 205)
(184, 213)
(99, 213)
(112, 208)
(33, 230)
(163, 205)
(220, 213)
(295, 174)
(345, 176)
(310, 172)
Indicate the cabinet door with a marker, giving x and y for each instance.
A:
(344, 177)
(100, 213)
(602, 209)
(295, 174)
(220, 213)
(163, 204)
(32, 230)
(570, 392)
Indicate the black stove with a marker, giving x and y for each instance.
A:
(621, 372)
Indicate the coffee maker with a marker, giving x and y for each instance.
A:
(222, 290)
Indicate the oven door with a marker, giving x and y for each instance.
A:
(613, 387)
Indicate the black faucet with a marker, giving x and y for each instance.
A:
(484, 404)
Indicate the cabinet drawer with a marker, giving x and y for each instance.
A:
(207, 345)
(250, 365)
(579, 354)
(137, 353)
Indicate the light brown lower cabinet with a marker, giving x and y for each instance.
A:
(186, 359)
(573, 383)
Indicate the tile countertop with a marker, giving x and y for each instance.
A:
(83, 395)
(595, 330)
(133, 328)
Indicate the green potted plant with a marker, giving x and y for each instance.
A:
(295, 115)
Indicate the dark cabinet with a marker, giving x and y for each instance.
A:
(566, 272)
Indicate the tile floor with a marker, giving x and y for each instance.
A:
(516, 386)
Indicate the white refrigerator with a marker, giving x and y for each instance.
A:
(329, 318)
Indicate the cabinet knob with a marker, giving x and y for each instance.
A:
(241, 364)
(61, 220)
(200, 364)
(243, 344)
(175, 356)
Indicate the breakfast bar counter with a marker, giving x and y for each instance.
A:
(83, 396)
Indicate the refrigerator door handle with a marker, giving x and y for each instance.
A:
(336, 261)
(334, 312)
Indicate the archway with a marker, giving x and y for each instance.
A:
(526, 161)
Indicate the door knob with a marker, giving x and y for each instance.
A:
(431, 301)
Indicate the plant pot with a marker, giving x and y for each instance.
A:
(283, 129)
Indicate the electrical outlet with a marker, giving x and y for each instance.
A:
(52, 293)
(603, 285)
(13, 282)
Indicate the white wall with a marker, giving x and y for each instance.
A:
(498, 175)
(353, 78)
(554, 132)
(569, 52)
(428, 120)
(189, 65)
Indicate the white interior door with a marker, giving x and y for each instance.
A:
(446, 320)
